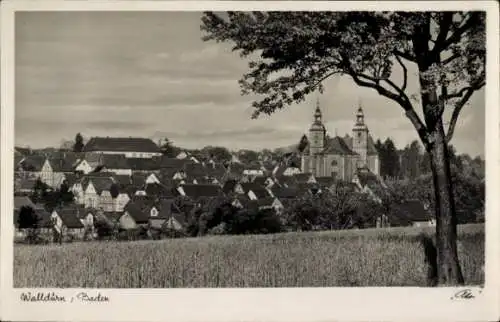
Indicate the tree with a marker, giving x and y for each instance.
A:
(217, 153)
(169, 149)
(29, 220)
(292, 53)
(78, 147)
(390, 166)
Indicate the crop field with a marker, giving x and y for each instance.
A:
(372, 257)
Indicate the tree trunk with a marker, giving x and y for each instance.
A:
(448, 270)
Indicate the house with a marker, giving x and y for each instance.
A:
(24, 186)
(264, 181)
(286, 181)
(159, 190)
(36, 166)
(368, 182)
(115, 163)
(197, 191)
(120, 201)
(285, 170)
(130, 147)
(305, 178)
(255, 191)
(411, 212)
(67, 222)
(144, 165)
(253, 170)
(134, 217)
(152, 178)
(233, 186)
(93, 190)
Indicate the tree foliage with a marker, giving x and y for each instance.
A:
(78, 146)
(291, 54)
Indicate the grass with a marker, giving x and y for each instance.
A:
(372, 257)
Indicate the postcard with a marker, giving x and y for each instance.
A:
(249, 161)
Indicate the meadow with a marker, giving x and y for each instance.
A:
(371, 257)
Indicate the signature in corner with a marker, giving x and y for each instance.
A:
(464, 294)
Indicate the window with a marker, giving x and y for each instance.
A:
(334, 163)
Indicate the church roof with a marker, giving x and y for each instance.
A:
(337, 145)
(371, 149)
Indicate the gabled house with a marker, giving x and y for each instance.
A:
(135, 215)
(67, 222)
(152, 178)
(121, 201)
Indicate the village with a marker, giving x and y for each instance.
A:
(127, 186)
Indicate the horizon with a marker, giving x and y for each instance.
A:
(101, 76)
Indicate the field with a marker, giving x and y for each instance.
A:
(373, 257)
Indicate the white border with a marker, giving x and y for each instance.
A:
(281, 304)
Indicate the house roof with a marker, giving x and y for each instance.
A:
(114, 161)
(101, 183)
(196, 191)
(284, 192)
(371, 149)
(143, 164)
(23, 202)
(367, 178)
(121, 144)
(302, 177)
(33, 163)
(70, 218)
(195, 170)
(166, 162)
(337, 145)
(135, 210)
(159, 190)
(26, 184)
(265, 202)
(259, 191)
(229, 185)
(138, 179)
(289, 181)
(261, 181)
(122, 179)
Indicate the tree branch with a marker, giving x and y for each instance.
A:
(461, 92)
(405, 73)
(450, 59)
(455, 37)
(405, 104)
(456, 112)
(444, 28)
(459, 105)
(405, 55)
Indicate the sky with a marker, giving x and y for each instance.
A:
(149, 74)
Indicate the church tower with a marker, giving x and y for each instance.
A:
(316, 141)
(360, 138)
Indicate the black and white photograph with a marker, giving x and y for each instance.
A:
(223, 149)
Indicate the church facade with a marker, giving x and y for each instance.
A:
(339, 157)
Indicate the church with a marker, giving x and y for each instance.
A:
(339, 157)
